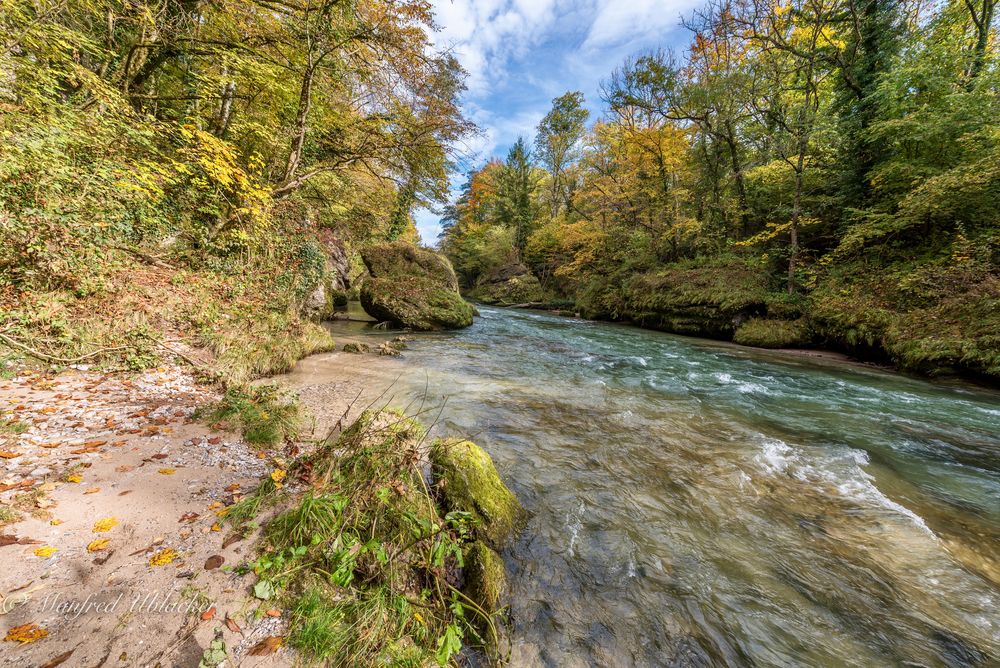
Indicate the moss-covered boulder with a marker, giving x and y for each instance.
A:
(412, 287)
(513, 284)
(469, 482)
(486, 584)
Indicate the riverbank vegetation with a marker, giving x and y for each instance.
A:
(807, 172)
(174, 176)
(375, 569)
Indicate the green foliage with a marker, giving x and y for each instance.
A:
(843, 151)
(365, 560)
(768, 333)
(265, 414)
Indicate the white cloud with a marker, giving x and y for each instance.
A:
(520, 54)
(634, 22)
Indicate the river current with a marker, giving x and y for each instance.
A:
(698, 504)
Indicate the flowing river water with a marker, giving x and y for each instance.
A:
(698, 504)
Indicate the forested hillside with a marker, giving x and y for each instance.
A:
(807, 172)
(187, 167)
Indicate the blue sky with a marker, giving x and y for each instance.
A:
(520, 54)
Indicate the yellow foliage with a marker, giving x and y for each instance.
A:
(107, 524)
(26, 633)
(163, 557)
(98, 544)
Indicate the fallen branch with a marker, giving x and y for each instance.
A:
(45, 357)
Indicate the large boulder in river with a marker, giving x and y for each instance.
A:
(508, 285)
(469, 482)
(412, 287)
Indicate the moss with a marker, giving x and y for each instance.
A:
(416, 303)
(469, 482)
(357, 348)
(521, 288)
(769, 333)
(412, 287)
(485, 576)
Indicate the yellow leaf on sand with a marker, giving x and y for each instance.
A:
(163, 557)
(216, 527)
(74, 478)
(215, 504)
(46, 551)
(98, 545)
(93, 490)
(277, 475)
(26, 633)
(168, 471)
(107, 524)
(56, 523)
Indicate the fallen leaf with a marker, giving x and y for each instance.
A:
(188, 517)
(233, 626)
(215, 440)
(163, 557)
(59, 660)
(214, 505)
(168, 471)
(9, 455)
(160, 455)
(277, 475)
(93, 490)
(208, 614)
(267, 646)
(124, 468)
(214, 562)
(105, 525)
(232, 538)
(46, 551)
(98, 544)
(273, 613)
(94, 444)
(216, 527)
(56, 523)
(26, 633)
(74, 478)
(232, 488)
(7, 539)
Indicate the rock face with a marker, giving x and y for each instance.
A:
(412, 287)
(511, 284)
(470, 482)
(330, 294)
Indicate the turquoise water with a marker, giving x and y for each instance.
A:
(697, 504)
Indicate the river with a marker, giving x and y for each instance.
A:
(698, 504)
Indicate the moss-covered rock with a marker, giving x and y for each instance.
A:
(486, 584)
(700, 300)
(357, 348)
(513, 284)
(412, 287)
(485, 576)
(770, 333)
(469, 482)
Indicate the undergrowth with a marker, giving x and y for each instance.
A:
(264, 414)
(364, 559)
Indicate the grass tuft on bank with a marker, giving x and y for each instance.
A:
(364, 557)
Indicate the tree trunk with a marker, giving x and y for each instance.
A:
(301, 120)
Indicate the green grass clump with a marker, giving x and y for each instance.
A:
(9, 515)
(365, 560)
(14, 427)
(264, 414)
